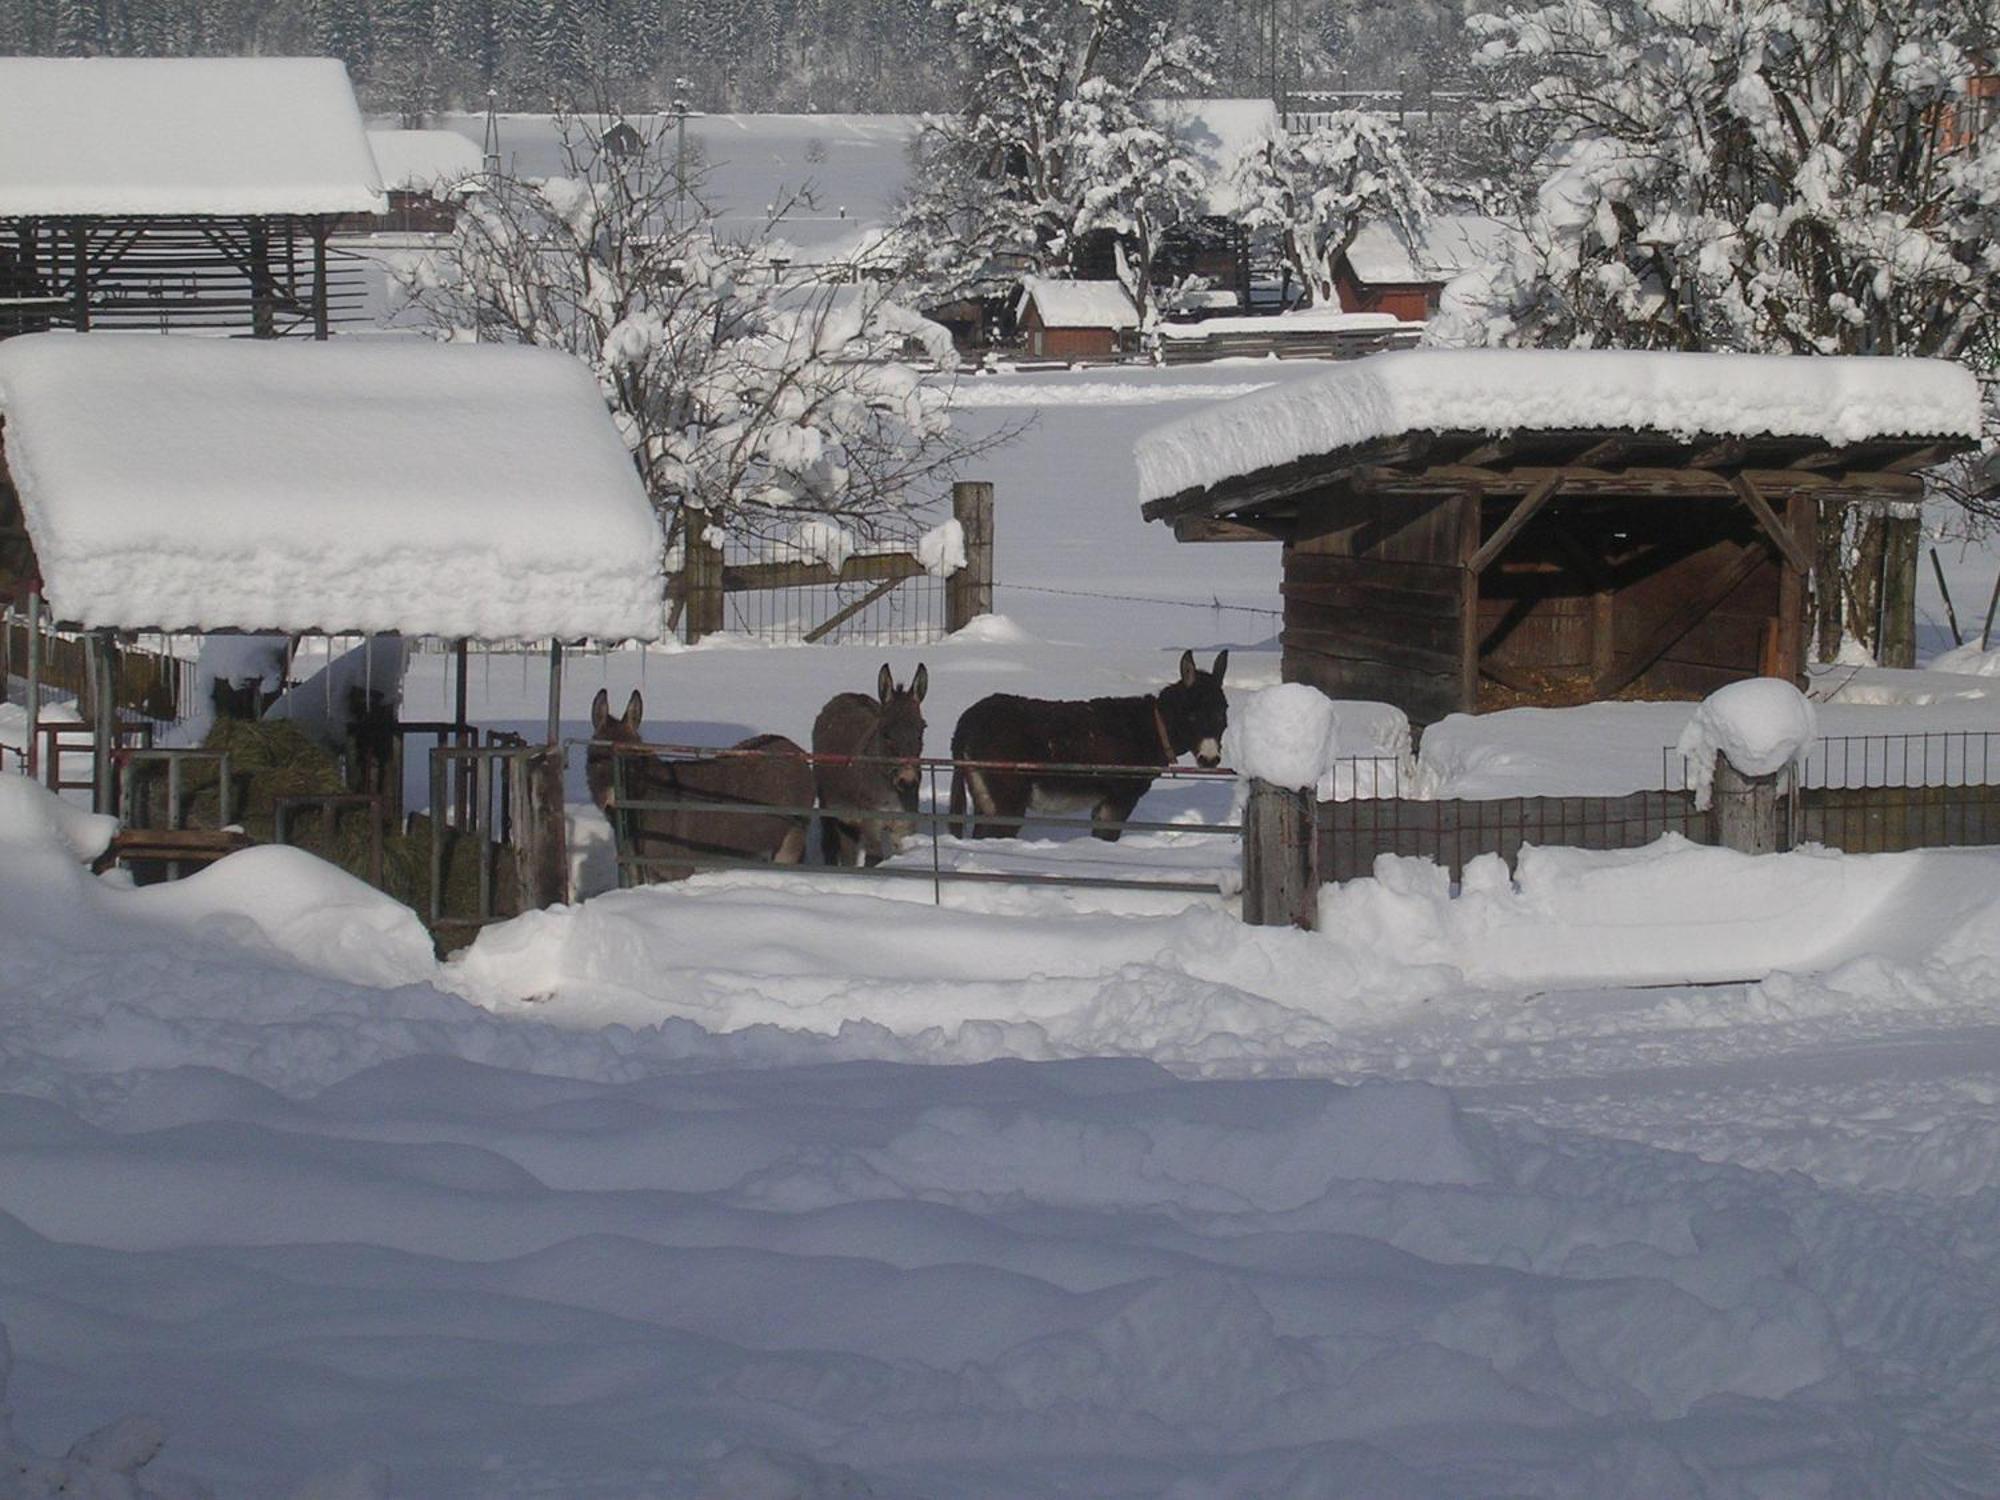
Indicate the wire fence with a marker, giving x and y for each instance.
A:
(664, 826)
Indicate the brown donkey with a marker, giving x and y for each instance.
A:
(1186, 716)
(778, 775)
(886, 734)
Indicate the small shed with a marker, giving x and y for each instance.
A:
(427, 175)
(1385, 272)
(1075, 319)
(176, 192)
(353, 487)
(1467, 529)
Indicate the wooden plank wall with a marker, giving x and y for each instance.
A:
(1374, 607)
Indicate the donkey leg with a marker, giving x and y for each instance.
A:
(1108, 817)
(791, 849)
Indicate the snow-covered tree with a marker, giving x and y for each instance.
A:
(1768, 175)
(756, 406)
(1052, 142)
(1138, 182)
(1313, 190)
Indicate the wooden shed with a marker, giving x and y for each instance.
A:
(177, 193)
(1383, 272)
(1075, 319)
(1474, 529)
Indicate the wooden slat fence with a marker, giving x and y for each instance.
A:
(160, 687)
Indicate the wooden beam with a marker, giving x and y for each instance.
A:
(1795, 554)
(1510, 528)
(1601, 454)
(1496, 451)
(1212, 529)
(834, 621)
(870, 567)
(1667, 634)
(1468, 603)
(1724, 455)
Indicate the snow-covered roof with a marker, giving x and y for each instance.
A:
(418, 160)
(357, 485)
(1831, 399)
(1448, 246)
(101, 135)
(1077, 304)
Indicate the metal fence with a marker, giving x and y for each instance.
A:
(648, 847)
(776, 590)
(1861, 794)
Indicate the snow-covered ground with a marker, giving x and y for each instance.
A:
(795, 1186)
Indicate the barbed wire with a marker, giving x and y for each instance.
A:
(1211, 604)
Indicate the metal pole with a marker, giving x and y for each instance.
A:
(555, 691)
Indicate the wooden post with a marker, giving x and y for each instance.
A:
(969, 591)
(539, 836)
(701, 578)
(79, 249)
(555, 691)
(1280, 857)
(34, 680)
(263, 288)
(322, 315)
(1903, 527)
(1746, 809)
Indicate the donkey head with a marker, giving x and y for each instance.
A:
(902, 724)
(605, 733)
(1195, 712)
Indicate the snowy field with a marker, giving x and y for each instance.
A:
(1663, 1174)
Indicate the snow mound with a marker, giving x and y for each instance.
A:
(1288, 735)
(1968, 660)
(32, 817)
(301, 909)
(942, 549)
(1759, 726)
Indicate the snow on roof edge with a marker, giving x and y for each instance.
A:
(1837, 399)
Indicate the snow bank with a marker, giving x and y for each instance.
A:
(103, 135)
(1287, 735)
(361, 485)
(1839, 400)
(282, 905)
(1760, 726)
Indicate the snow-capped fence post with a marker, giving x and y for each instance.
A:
(1282, 741)
(1745, 740)
(969, 591)
(701, 579)
(1746, 809)
(1280, 867)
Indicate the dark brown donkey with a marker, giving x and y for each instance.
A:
(778, 776)
(886, 735)
(1187, 715)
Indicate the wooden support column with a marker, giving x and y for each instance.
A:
(34, 679)
(263, 291)
(79, 287)
(1469, 504)
(1801, 514)
(1280, 857)
(969, 591)
(1903, 527)
(101, 674)
(322, 227)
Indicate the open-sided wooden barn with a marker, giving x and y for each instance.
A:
(1477, 528)
(176, 193)
(352, 488)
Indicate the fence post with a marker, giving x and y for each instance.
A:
(1280, 857)
(1903, 535)
(701, 578)
(969, 591)
(540, 833)
(1746, 809)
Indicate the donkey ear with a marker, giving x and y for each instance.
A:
(1187, 669)
(635, 711)
(921, 683)
(1221, 665)
(885, 683)
(600, 712)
